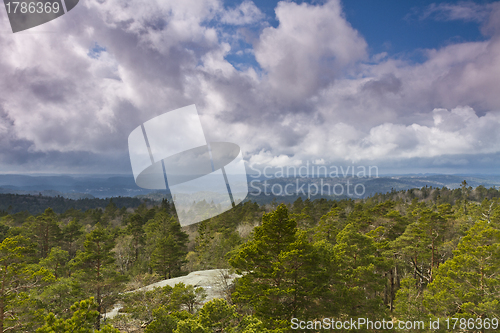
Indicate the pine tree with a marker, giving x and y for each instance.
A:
(329, 226)
(167, 256)
(408, 305)
(60, 295)
(17, 277)
(217, 315)
(168, 243)
(56, 262)
(44, 231)
(358, 280)
(71, 233)
(468, 285)
(82, 320)
(96, 264)
(281, 273)
(135, 228)
(419, 245)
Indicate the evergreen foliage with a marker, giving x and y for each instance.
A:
(415, 255)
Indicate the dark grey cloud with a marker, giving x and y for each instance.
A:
(387, 84)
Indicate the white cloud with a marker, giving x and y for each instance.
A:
(318, 97)
(265, 158)
(463, 10)
(245, 13)
(458, 131)
(309, 48)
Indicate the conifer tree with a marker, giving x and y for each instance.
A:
(44, 231)
(71, 234)
(281, 273)
(168, 244)
(468, 285)
(135, 228)
(96, 267)
(17, 278)
(359, 280)
(82, 320)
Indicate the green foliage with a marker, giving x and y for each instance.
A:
(96, 269)
(217, 315)
(136, 230)
(168, 244)
(329, 226)
(409, 255)
(190, 326)
(409, 301)
(420, 244)
(468, 285)
(17, 278)
(37, 204)
(82, 320)
(359, 273)
(187, 297)
(213, 243)
(44, 231)
(56, 262)
(141, 305)
(4, 230)
(164, 321)
(280, 273)
(59, 295)
(71, 234)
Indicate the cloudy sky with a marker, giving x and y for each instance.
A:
(409, 86)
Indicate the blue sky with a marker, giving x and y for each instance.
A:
(407, 86)
(399, 28)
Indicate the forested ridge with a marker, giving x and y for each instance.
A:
(414, 255)
(36, 204)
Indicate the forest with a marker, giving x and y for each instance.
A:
(415, 256)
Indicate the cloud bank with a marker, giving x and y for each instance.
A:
(74, 88)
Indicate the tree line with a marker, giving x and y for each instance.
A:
(36, 204)
(416, 255)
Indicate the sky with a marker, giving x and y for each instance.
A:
(407, 86)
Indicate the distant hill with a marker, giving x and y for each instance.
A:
(354, 187)
(262, 190)
(49, 193)
(72, 186)
(36, 204)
